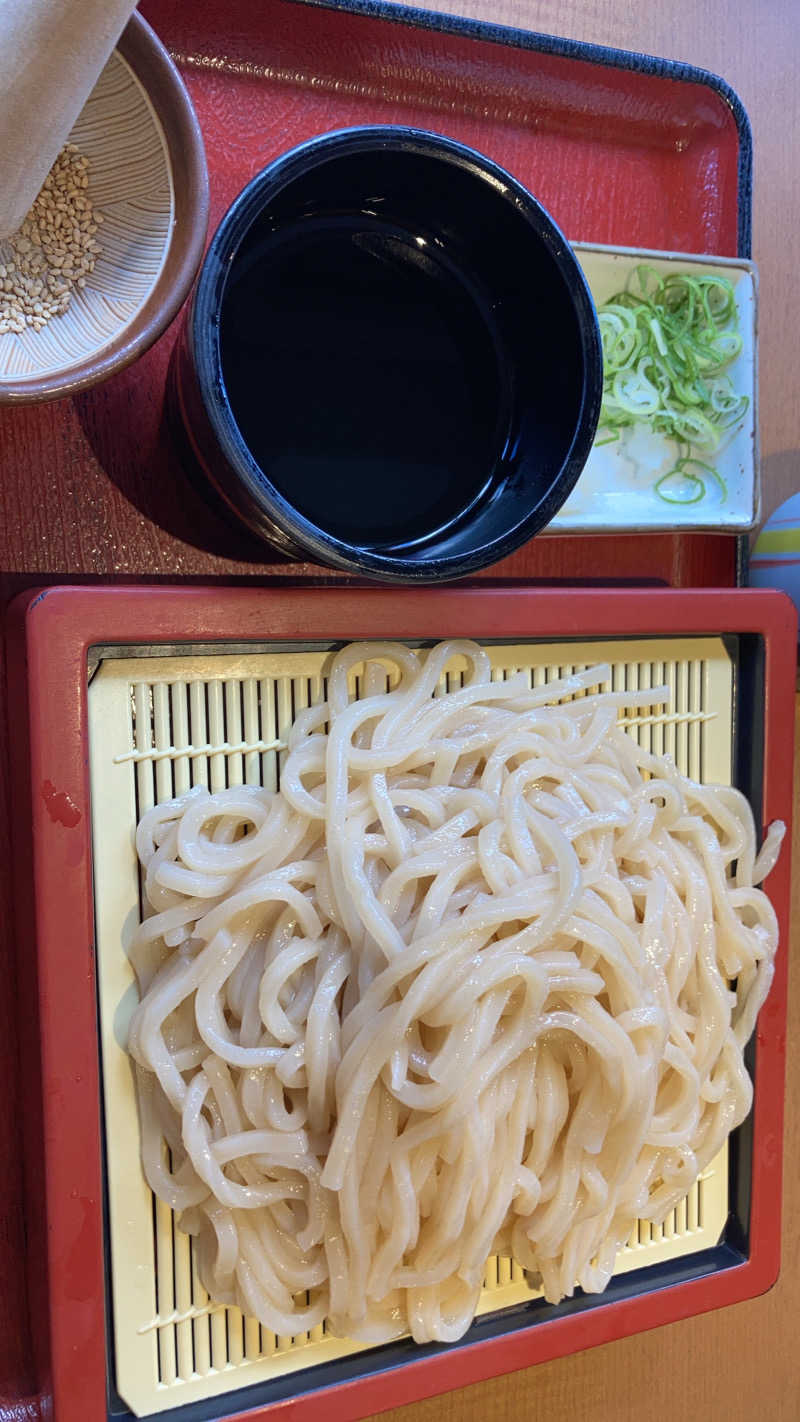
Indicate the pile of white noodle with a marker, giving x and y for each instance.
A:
(460, 987)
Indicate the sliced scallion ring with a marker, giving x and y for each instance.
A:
(670, 487)
(685, 482)
(667, 341)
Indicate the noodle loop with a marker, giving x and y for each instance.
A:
(461, 986)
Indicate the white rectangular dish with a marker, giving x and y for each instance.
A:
(616, 491)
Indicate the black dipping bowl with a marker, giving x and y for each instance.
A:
(391, 363)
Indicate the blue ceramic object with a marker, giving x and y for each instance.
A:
(775, 559)
(392, 362)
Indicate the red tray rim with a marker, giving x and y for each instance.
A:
(608, 55)
(50, 634)
(585, 53)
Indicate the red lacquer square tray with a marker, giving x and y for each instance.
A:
(56, 637)
(621, 148)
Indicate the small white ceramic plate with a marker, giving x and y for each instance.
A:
(616, 490)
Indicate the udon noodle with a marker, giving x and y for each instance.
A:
(476, 979)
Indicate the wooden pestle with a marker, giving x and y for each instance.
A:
(51, 54)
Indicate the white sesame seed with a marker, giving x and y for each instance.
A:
(53, 250)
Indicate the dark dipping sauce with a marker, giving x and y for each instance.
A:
(366, 376)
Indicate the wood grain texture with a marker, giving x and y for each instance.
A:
(742, 1363)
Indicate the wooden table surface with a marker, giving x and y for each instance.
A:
(738, 1364)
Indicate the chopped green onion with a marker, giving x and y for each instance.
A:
(694, 488)
(667, 341)
(683, 486)
(634, 394)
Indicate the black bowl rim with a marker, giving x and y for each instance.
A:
(204, 321)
